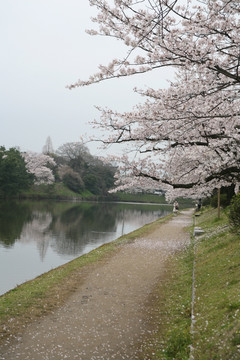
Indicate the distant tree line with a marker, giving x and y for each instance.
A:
(72, 164)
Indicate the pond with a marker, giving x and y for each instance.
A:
(37, 236)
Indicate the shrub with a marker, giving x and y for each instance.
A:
(234, 212)
(223, 201)
(71, 179)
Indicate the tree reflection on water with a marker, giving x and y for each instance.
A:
(61, 231)
(69, 227)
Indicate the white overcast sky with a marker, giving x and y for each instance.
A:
(44, 47)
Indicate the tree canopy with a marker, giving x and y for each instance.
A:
(79, 170)
(14, 176)
(186, 136)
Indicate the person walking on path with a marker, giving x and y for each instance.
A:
(175, 207)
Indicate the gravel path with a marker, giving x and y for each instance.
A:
(107, 317)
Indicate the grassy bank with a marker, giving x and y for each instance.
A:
(42, 295)
(149, 198)
(57, 191)
(216, 329)
(61, 192)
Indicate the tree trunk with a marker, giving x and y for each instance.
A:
(219, 193)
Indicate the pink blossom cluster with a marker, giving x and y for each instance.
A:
(39, 165)
(186, 138)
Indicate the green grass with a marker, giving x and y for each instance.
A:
(217, 291)
(43, 191)
(55, 191)
(172, 314)
(149, 198)
(217, 297)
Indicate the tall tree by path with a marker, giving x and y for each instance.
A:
(186, 137)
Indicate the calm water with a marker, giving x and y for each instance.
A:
(38, 236)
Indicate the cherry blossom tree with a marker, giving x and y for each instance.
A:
(40, 166)
(185, 137)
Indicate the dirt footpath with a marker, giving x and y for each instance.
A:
(107, 317)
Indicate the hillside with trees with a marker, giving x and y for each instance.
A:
(80, 171)
(69, 172)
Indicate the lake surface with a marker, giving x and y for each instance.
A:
(37, 236)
